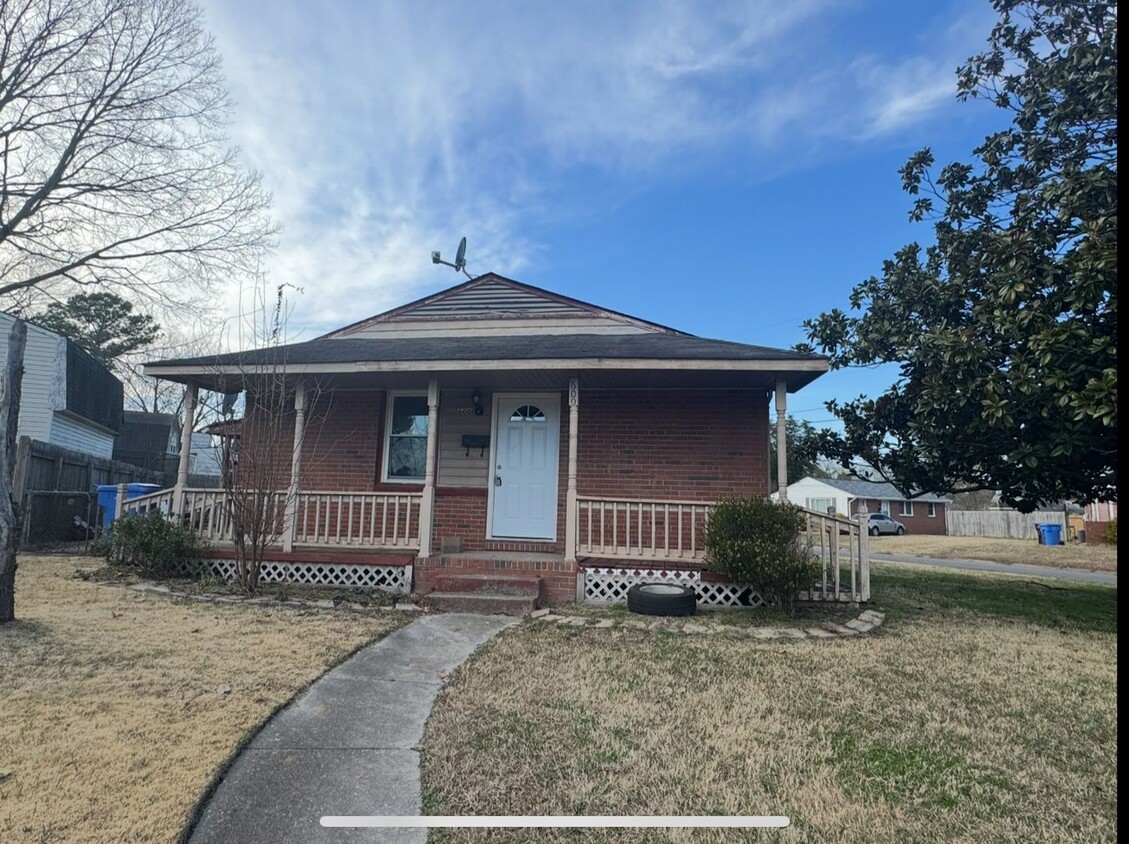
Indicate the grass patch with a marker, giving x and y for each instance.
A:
(985, 710)
(118, 706)
(1073, 555)
(911, 591)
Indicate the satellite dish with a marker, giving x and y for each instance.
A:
(459, 264)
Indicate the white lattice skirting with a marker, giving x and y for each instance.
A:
(397, 579)
(610, 585)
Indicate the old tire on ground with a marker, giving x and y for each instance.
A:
(662, 599)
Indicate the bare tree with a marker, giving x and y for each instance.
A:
(11, 383)
(115, 169)
(261, 493)
(114, 166)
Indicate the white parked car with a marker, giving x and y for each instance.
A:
(881, 523)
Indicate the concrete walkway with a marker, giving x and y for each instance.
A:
(1108, 578)
(348, 746)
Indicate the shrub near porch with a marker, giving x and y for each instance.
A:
(983, 711)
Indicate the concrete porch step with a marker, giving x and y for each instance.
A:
(481, 602)
(521, 585)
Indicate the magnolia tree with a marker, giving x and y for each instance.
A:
(1005, 328)
(115, 170)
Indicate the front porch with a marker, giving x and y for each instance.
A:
(373, 539)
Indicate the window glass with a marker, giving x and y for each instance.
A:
(407, 438)
(932, 510)
(528, 413)
(905, 508)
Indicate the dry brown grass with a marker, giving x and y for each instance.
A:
(952, 724)
(1073, 555)
(112, 716)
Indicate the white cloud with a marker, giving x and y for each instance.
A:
(386, 130)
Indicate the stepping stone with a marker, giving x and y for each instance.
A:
(696, 628)
(860, 626)
(792, 632)
(763, 632)
(604, 622)
(539, 613)
(819, 633)
(840, 629)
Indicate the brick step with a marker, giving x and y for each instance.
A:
(481, 602)
(492, 584)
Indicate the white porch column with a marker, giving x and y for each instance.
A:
(290, 526)
(427, 502)
(782, 438)
(190, 396)
(570, 495)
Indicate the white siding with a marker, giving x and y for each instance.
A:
(456, 417)
(69, 432)
(809, 489)
(44, 359)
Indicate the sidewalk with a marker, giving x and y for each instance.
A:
(348, 746)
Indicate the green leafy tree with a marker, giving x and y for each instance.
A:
(102, 323)
(803, 442)
(1006, 327)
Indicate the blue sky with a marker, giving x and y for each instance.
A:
(726, 168)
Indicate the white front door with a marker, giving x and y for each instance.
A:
(523, 490)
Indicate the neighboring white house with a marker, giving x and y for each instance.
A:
(921, 514)
(68, 398)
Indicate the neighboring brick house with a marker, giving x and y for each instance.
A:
(920, 514)
(498, 426)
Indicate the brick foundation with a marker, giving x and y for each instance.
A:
(559, 577)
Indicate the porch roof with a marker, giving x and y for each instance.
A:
(556, 352)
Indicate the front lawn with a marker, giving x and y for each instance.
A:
(1073, 555)
(984, 710)
(116, 708)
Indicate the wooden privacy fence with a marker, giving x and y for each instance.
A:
(1004, 524)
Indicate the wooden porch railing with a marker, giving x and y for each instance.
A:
(641, 529)
(349, 519)
(671, 531)
(360, 519)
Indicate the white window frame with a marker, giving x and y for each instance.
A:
(392, 396)
(932, 510)
(829, 504)
(905, 508)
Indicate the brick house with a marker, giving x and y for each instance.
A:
(924, 513)
(498, 428)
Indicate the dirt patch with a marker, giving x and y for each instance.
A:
(117, 707)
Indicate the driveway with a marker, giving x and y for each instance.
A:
(1078, 575)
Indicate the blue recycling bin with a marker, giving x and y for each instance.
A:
(108, 498)
(1051, 533)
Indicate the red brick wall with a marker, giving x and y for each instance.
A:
(695, 445)
(920, 522)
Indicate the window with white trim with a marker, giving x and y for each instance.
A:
(932, 510)
(405, 438)
(905, 508)
(820, 505)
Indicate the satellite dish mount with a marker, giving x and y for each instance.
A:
(460, 259)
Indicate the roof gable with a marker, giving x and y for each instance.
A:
(495, 304)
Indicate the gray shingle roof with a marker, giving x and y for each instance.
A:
(511, 347)
(879, 490)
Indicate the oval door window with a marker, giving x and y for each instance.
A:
(528, 413)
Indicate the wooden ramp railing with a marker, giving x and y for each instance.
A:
(842, 547)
